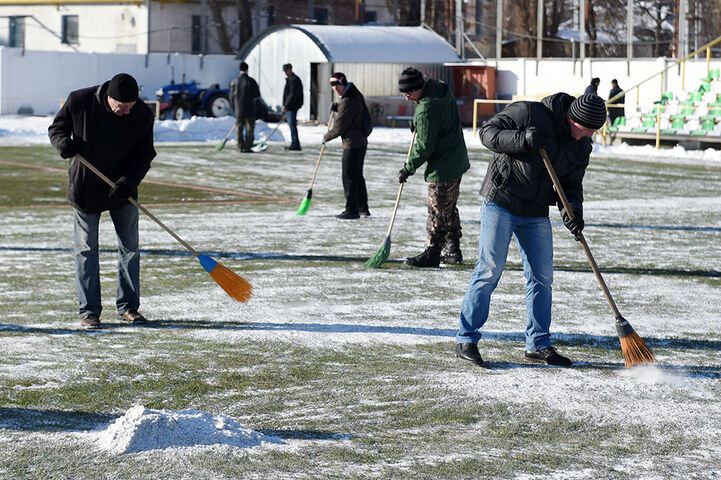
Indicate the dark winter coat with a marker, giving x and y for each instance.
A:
(517, 178)
(439, 137)
(293, 93)
(348, 119)
(614, 113)
(243, 93)
(121, 147)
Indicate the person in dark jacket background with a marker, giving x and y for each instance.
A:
(243, 93)
(593, 86)
(517, 192)
(440, 145)
(349, 123)
(292, 101)
(613, 112)
(109, 127)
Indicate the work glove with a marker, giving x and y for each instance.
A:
(334, 107)
(534, 139)
(575, 225)
(413, 126)
(403, 175)
(120, 191)
(69, 147)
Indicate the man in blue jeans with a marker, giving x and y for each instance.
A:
(109, 127)
(517, 192)
(292, 101)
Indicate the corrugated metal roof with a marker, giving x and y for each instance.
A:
(410, 45)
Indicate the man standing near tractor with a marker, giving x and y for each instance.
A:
(440, 145)
(113, 131)
(244, 93)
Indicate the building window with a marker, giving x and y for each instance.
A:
(16, 33)
(370, 16)
(69, 32)
(196, 44)
(320, 15)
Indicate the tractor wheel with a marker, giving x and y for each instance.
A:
(180, 113)
(218, 106)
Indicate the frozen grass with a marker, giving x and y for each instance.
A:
(353, 367)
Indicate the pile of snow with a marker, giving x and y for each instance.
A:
(142, 429)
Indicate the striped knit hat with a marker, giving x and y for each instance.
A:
(410, 80)
(588, 110)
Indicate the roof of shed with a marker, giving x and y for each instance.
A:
(412, 45)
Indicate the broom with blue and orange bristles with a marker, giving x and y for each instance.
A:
(238, 288)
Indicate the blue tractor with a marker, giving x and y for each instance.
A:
(183, 100)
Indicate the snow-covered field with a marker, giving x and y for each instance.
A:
(333, 370)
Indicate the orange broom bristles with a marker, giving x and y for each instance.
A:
(238, 288)
(634, 349)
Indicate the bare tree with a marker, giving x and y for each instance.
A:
(216, 11)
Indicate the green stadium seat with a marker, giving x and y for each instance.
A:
(704, 87)
(708, 123)
(677, 121)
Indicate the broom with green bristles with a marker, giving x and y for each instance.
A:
(305, 203)
(221, 145)
(381, 255)
(634, 349)
(234, 285)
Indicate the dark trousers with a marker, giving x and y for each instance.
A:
(354, 185)
(291, 117)
(246, 133)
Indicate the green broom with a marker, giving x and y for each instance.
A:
(221, 145)
(305, 203)
(381, 255)
(238, 288)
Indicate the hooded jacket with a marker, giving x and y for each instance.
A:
(439, 137)
(348, 119)
(516, 178)
(121, 147)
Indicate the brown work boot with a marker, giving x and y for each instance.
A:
(133, 317)
(90, 321)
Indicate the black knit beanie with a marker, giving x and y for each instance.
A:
(410, 80)
(588, 110)
(123, 88)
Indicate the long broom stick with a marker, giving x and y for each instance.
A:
(221, 145)
(234, 285)
(381, 255)
(262, 145)
(305, 203)
(634, 349)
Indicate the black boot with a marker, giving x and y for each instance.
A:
(451, 254)
(469, 352)
(428, 258)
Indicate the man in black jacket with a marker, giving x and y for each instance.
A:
(517, 191)
(109, 127)
(292, 101)
(351, 122)
(614, 112)
(243, 93)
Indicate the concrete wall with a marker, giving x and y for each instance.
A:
(530, 78)
(42, 80)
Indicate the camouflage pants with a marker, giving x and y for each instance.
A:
(443, 222)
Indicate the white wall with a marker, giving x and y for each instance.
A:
(266, 61)
(101, 28)
(529, 78)
(42, 80)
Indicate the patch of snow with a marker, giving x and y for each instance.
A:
(142, 429)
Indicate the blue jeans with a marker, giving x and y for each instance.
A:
(87, 265)
(292, 117)
(535, 243)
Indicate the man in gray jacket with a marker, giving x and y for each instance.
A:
(351, 122)
(517, 191)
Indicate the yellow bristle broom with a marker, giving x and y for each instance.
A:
(238, 288)
(634, 349)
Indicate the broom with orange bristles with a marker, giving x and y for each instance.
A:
(234, 285)
(634, 349)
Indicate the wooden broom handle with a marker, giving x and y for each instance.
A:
(104, 178)
(581, 239)
(400, 189)
(320, 155)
